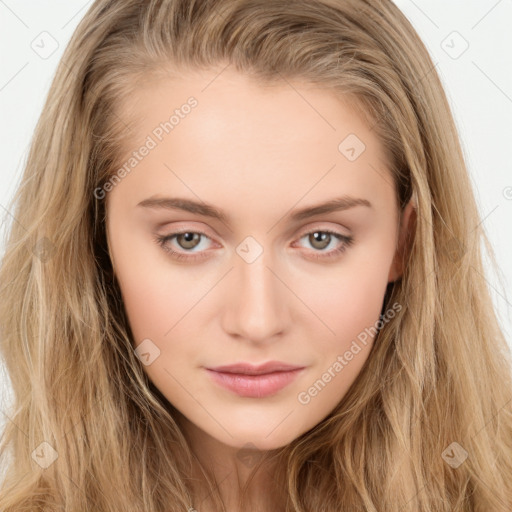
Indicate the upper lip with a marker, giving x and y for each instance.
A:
(251, 369)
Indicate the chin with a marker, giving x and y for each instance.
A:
(261, 439)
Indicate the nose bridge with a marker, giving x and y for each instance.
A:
(256, 305)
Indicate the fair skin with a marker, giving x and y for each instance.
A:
(259, 155)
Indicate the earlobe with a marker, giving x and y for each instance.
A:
(405, 237)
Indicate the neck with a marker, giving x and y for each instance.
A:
(231, 470)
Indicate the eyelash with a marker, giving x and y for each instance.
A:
(347, 242)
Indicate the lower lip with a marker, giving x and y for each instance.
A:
(255, 386)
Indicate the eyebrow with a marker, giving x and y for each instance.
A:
(208, 210)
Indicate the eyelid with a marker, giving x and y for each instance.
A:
(323, 227)
(314, 226)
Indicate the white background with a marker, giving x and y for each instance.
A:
(478, 82)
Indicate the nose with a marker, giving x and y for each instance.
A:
(256, 305)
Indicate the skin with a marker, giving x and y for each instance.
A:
(258, 154)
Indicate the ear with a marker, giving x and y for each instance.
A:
(405, 237)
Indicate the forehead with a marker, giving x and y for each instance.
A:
(244, 137)
(247, 110)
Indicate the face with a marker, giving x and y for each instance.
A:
(224, 257)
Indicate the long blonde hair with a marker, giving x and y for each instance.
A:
(87, 430)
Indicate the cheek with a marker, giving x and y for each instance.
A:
(157, 301)
(350, 304)
(154, 294)
(349, 297)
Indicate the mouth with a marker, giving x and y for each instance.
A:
(254, 382)
(253, 369)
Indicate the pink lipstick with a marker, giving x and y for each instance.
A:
(255, 381)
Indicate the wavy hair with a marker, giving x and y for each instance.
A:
(87, 430)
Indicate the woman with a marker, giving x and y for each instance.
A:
(246, 272)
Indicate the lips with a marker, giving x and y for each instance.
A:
(251, 369)
(255, 381)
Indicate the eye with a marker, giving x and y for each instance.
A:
(319, 239)
(186, 240)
